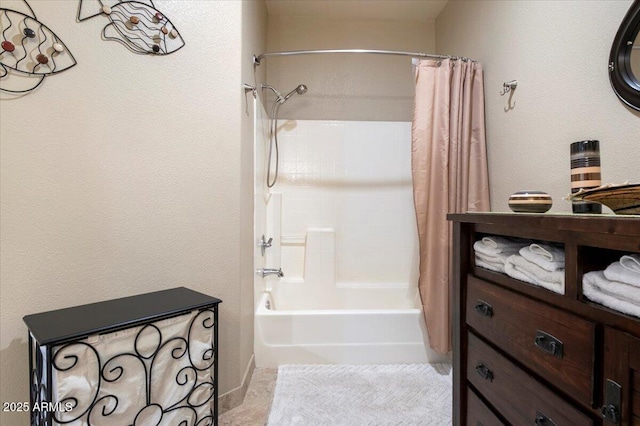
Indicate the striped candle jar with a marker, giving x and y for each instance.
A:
(530, 202)
(585, 173)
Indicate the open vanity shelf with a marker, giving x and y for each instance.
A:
(590, 376)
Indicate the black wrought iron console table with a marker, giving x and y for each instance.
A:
(139, 360)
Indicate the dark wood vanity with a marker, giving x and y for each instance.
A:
(524, 355)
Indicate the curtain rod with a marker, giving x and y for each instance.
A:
(257, 59)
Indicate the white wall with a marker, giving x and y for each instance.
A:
(558, 53)
(354, 178)
(346, 87)
(129, 174)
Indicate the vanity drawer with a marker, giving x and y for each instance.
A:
(479, 414)
(555, 344)
(516, 395)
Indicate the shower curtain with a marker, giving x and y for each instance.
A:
(449, 171)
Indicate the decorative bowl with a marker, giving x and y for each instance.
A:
(530, 202)
(622, 199)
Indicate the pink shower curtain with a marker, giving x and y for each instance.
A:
(449, 168)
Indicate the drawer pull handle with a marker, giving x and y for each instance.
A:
(543, 420)
(549, 344)
(484, 372)
(610, 413)
(612, 400)
(484, 309)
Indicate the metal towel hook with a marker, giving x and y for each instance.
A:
(508, 86)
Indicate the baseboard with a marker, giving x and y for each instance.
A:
(234, 397)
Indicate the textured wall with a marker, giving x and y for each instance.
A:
(129, 174)
(558, 53)
(346, 87)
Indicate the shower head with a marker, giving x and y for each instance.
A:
(300, 90)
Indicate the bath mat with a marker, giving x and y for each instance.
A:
(354, 395)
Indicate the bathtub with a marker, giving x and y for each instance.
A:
(349, 325)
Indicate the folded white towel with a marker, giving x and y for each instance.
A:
(631, 262)
(497, 267)
(614, 288)
(591, 288)
(521, 269)
(494, 263)
(495, 245)
(617, 272)
(496, 241)
(549, 252)
(545, 256)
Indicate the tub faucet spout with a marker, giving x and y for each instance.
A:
(270, 271)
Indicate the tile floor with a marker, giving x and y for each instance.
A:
(254, 410)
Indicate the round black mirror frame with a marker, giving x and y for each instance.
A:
(623, 81)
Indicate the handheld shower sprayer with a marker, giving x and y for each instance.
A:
(301, 89)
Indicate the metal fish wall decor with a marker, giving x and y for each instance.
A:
(29, 51)
(138, 25)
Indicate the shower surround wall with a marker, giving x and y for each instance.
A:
(343, 226)
(346, 205)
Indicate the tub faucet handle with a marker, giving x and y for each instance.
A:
(264, 244)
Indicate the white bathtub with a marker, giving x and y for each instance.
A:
(349, 325)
